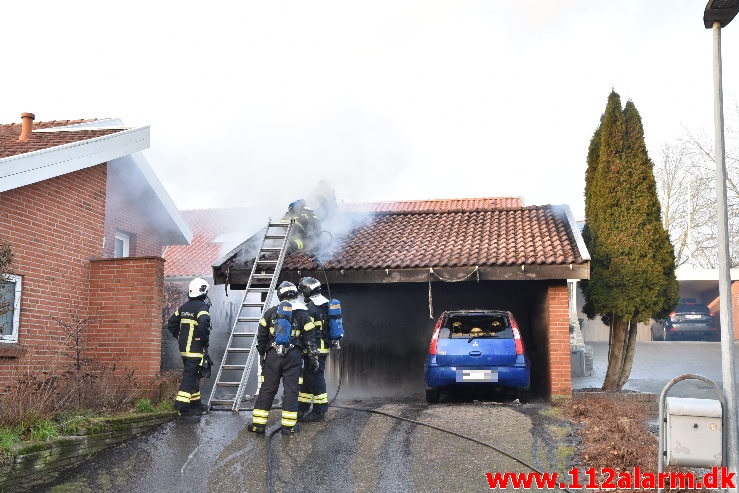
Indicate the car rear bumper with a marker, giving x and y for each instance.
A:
(445, 376)
(713, 333)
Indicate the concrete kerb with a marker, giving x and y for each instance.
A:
(34, 463)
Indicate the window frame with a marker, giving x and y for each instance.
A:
(13, 336)
(125, 238)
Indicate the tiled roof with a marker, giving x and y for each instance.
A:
(197, 258)
(436, 206)
(534, 235)
(44, 136)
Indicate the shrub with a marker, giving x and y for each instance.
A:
(144, 406)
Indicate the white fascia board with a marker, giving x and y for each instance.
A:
(685, 273)
(180, 233)
(579, 241)
(32, 167)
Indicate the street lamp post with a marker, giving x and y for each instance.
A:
(718, 14)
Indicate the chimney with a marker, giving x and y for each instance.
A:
(26, 126)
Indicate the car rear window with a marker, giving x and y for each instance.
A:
(689, 307)
(477, 325)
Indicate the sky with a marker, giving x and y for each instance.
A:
(252, 103)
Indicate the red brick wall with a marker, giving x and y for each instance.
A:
(735, 308)
(53, 227)
(559, 340)
(127, 295)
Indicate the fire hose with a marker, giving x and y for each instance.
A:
(400, 418)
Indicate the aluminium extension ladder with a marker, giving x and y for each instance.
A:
(238, 359)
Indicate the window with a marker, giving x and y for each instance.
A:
(10, 300)
(122, 244)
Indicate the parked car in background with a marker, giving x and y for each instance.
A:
(687, 321)
(476, 348)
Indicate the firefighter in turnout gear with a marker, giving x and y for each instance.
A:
(327, 322)
(305, 229)
(190, 324)
(284, 332)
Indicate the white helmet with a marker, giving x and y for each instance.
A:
(197, 287)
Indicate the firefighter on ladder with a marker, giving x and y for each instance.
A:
(190, 324)
(284, 332)
(305, 229)
(326, 316)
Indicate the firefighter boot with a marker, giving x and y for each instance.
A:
(290, 430)
(254, 428)
(313, 416)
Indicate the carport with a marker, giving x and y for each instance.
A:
(398, 265)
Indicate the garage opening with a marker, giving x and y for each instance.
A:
(389, 326)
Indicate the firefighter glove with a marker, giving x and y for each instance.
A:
(335, 344)
(314, 362)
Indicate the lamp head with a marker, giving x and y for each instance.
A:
(721, 11)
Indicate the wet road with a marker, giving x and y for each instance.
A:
(353, 451)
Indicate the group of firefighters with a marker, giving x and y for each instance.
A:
(294, 340)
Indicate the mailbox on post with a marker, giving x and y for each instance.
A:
(691, 431)
(694, 432)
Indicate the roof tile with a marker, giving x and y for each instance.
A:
(11, 146)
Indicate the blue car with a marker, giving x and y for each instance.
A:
(476, 347)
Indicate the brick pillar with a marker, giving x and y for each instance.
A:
(735, 308)
(558, 341)
(126, 295)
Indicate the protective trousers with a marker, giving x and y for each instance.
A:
(188, 396)
(288, 369)
(313, 389)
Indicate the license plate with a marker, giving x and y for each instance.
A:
(690, 316)
(477, 375)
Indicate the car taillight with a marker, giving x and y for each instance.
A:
(672, 315)
(517, 337)
(435, 337)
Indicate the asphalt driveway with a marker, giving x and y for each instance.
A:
(355, 451)
(362, 451)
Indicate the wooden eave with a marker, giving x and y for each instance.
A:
(380, 276)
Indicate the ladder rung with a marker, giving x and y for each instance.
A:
(233, 367)
(221, 402)
(238, 349)
(253, 305)
(274, 237)
(271, 249)
(279, 225)
(244, 334)
(267, 262)
(248, 319)
(228, 384)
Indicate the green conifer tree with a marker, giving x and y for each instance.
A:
(632, 274)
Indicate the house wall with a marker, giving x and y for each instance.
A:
(55, 228)
(127, 296)
(124, 212)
